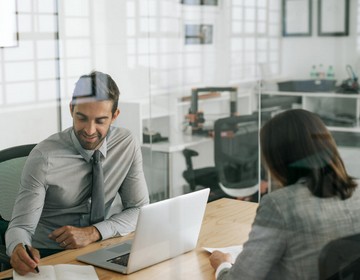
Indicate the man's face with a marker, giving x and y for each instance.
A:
(92, 121)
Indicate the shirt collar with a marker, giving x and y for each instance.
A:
(87, 154)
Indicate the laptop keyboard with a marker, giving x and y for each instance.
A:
(120, 260)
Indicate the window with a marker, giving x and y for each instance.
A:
(29, 72)
(254, 37)
(76, 47)
(156, 41)
(153, 30)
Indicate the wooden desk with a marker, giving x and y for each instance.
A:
(227, 222)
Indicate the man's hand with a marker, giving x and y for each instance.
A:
(70, 237)
(218, 258)
(22, 262)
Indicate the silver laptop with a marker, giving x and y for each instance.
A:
(164, 230)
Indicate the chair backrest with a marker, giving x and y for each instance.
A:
(12, 161)
(237, 151)
(340, 259)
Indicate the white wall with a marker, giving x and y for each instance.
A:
(27, 124)
(300, 53)
(110, 45)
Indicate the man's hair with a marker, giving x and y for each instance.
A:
(96, 86)
(296, 144)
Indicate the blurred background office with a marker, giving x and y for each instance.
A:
(276, 54)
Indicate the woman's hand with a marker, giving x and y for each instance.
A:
(218, 258)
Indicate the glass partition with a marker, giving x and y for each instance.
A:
(177, 64)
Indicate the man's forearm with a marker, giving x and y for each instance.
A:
(96, 235)
(119, 224)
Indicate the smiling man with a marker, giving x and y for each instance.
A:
(52, 210)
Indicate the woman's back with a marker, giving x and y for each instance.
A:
(290, 229)
(318, 202)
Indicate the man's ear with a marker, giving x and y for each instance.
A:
(71, 107)
(115, 115)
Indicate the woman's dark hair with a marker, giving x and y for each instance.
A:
(296, 144)
(96, 86)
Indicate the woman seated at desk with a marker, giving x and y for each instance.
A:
(318, 202)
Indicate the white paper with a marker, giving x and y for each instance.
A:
(234, 251)
(78, 272)
(46, 273)
(61, 272)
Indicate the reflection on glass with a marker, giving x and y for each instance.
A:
(200, 2)
(198, 34)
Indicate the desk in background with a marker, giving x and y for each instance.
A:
(339, 111)
(227, 222)
(164, 163)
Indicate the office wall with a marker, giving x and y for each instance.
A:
(111, 49)
(98, 35)
(37, 77)
(146, 55)
(103, 36)
(300, 53)
(76, 48)
(99, 42)
(29, 84)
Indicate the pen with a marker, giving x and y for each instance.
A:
(31, 256)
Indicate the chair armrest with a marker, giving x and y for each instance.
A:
(189, 174)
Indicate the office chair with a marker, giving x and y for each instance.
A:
(235, 173)
(237, 155)
(12, 161)
(206, 177)
(340, 259)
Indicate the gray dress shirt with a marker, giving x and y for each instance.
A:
(55, 188)
(290, 228)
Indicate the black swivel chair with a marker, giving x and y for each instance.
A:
(206, 177)
(340, 259)
(237, 155)
(235, 173)
(12, 161)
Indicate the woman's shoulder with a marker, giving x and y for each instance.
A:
(297, 198)
(295, 191)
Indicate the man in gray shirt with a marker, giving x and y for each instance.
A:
(52, 210)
